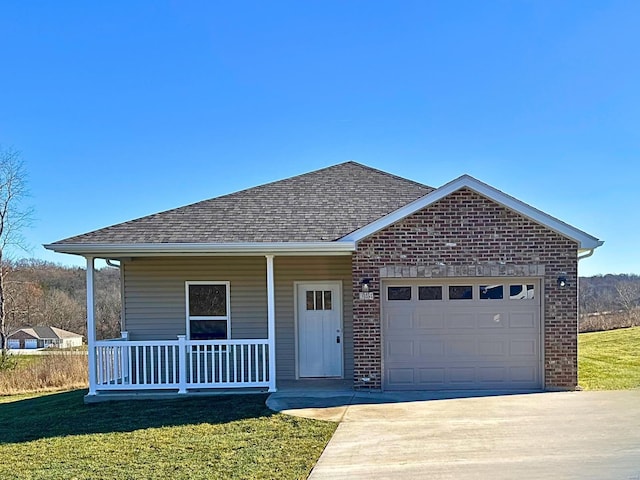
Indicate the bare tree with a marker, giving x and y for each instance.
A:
(629, 298)
(14, 217)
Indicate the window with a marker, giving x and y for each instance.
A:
(319, 300)
(208, 310)
(430, 293)
(521, 292)
(460, 292)
(399, 293)
(491, 292)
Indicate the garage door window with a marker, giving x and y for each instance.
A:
(399, 293)
(522, 292)
(460, 292)
(430, 293)
(491, 292)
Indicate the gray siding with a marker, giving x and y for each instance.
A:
(300, 269)
(154, 299)
(154, 302)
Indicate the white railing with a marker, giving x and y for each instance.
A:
(181, 364)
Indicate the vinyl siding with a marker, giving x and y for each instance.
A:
(154, 298)
(310, 269)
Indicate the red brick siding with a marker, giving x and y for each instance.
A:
(491, 240)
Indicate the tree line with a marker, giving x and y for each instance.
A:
(609, 293)
(40, 293)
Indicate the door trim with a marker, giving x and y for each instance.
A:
(296, 328)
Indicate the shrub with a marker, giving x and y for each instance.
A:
(7, 361)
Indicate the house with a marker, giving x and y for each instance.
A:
(346, 272)
(43, 337)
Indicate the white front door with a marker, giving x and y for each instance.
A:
(319, 329)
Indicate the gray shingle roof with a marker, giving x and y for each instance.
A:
(47, 332)
(323, 205)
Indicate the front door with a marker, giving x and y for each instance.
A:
(319, 329)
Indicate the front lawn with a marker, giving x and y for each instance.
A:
(609, 360)
(57, 436)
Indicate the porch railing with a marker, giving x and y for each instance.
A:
(181, 364)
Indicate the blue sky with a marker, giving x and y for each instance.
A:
(123, 109)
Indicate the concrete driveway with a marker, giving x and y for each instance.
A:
(564, 435)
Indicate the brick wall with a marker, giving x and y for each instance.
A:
(490, 240)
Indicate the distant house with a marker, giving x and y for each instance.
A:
(43, 337)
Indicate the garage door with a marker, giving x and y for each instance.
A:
(13, 343)
(461, 335)
(31, 343)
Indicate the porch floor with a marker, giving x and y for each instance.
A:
(315, 387)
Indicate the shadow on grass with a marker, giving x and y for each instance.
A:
(62, 414)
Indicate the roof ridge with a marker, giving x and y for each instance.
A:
(397, 177)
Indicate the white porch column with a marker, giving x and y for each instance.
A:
(271, 321)
(91, 325)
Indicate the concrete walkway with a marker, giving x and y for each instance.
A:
(567, 435)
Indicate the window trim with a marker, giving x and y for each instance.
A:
(190, 318)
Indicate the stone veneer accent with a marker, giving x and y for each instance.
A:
(491, 241)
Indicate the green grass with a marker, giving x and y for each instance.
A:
(57, 436)
(609, 360)
(26, 360)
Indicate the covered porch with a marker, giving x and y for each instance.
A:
(182, 365)
(161, 351)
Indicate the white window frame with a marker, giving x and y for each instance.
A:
(226, 317)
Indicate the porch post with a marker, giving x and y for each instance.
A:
(91, 325)
(271, 321)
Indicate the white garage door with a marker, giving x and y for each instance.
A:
(461, 335)
(31, 343)
(13, 343)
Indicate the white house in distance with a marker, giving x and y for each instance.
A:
(43, 337)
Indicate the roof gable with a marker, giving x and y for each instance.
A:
(584, 240)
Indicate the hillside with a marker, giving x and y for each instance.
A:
(44, 293)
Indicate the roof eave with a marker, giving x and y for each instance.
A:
(111, 250)
(585, 241)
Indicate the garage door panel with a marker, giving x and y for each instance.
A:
(492, 375)
(399, 319)
(494, 320)
(492, 348)
(522, 320)
(523, 347)
(431, 376)
(525, 374)
(462, 375)
(399, 350)
(461, 349)
(457, 345)
(430, 321)
(401, 376)
(461, 321)
(432, 350)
